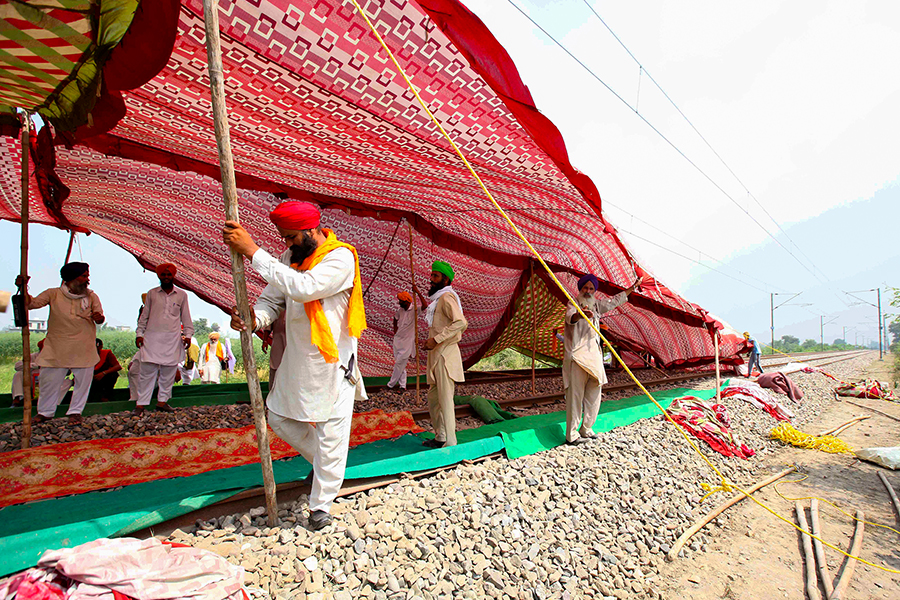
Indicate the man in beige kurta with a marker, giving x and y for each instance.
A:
(70, 345)
(444, 369)
(583, 371)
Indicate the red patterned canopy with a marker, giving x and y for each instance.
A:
(318, 113)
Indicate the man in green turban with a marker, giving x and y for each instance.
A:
(446, 324)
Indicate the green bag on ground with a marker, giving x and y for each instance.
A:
(487, 410)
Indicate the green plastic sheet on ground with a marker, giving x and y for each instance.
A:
(27, 530)
(487, 410)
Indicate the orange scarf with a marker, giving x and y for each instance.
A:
(220, 352)
(356, 312)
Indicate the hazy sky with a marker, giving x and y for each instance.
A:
(800, 99)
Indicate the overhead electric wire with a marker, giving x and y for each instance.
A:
(666, 139)
(644, 70)
(697, 250)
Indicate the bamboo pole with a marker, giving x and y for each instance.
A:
(816, 530)
(891, 493)
(718, 371)
(229, 193)
(533, 324)
(412, 275)
(812, 590)
(843, 426)
(875, 410)
(27, 383)
(843, 582)
(71, 243)
(697, 526)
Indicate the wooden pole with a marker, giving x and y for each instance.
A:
(891, 493)
(69, 249)
(229, 193)
(843, 426)
(840, 588)
(412, 276)
(27, 384)
(718, 371)
(816, 530)
(697, 526)
(533, 325)
(812, 590)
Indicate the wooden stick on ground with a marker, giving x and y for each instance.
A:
(229, 193)
(412, 275)
(843, 426)
(698, 525)
(718, 370)
(840, 588)
(891, 493)
(819, 549)
(812, 589)
(27, 383)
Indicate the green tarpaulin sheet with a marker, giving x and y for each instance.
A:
(27, 530)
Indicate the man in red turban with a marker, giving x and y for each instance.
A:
(164, 331)
(316, 285)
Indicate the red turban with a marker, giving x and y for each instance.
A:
(164, 266)
(295, 216)
(405, 296)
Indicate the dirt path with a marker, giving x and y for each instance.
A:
(753, 555)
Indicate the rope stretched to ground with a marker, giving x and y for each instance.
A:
(724, 484)
(785, 432)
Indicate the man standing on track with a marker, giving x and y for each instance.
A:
(444, 370)
(583, 371)
(212, 355)
(164, 331)
(754, 355)
(404, 339)
(316, 284)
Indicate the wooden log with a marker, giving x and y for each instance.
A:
(700, 523)
(840, 588)
(533, 324)
(875, 410)
(843, 426)
(27, 383)
(818, 548)
(891, 493)
(812, 590)
(412, 275)
(229, 193)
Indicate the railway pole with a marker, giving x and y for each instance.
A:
(772, 320)
(880, 329)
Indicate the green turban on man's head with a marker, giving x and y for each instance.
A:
(443, 268)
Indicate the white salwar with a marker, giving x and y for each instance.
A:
(404, 345)
(211, 369)
(188, 375)
(18, 380)
(165, 318)
(311, 408)
(583, 371)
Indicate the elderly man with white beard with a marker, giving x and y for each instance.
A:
(583, 372)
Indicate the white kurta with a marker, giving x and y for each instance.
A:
(165, 318)
(582, 344)
(404, 339)
(71, 331)
(309, 389)
(212, 368)
(18, 381)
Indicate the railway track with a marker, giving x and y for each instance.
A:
(530, 401)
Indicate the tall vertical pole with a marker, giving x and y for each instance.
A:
(533, 325)
(27, 384)
(880, 328)
(229, 193)
(844, 336)
(69, 249)
(821, 333)
(772, 319)
(412, 275)
(718, 372)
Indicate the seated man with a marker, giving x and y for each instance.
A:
(18, 380)
(106, 372)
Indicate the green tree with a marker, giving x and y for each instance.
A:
(810, 345)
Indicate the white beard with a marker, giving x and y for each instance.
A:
(586, 301)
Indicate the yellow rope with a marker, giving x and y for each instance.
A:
(785, 432)
(724, 485)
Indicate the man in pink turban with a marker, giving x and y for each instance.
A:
(404, 339)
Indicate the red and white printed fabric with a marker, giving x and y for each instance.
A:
(318, 113)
